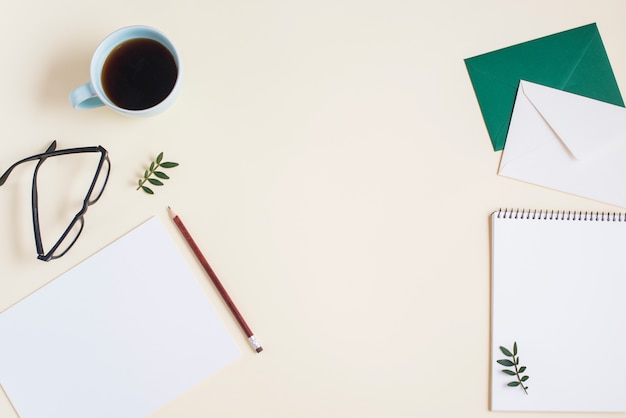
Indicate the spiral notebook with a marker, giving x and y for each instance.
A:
(558, 311)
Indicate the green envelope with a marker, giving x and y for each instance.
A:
(574, 60)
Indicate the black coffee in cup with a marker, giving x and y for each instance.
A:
(139, 74)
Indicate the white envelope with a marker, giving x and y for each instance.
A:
(567, 142)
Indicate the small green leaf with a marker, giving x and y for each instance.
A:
(514, 363)
(152, 171)
(506, 352)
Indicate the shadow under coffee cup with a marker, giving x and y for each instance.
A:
(135, 71)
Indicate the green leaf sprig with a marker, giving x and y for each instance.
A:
(517, 369)
(154, 169)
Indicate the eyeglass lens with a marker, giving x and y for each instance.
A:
(67, 240)
(69, 236)
(100, 181)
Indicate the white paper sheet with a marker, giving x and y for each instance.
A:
(558, 291)
(120, 335)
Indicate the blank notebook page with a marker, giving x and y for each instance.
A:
(119, 335)
(559, 292)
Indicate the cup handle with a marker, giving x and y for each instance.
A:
(85, 97)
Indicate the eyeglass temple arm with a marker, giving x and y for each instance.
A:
(5, 176)
(49, 153)
(41, 157)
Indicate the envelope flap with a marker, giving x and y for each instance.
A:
(574, 60)
(585, 126)
(590, 78)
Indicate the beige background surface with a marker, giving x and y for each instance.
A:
(335, 170)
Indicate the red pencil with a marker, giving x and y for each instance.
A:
(231, 305)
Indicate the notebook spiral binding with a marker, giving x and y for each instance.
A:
(561, 215)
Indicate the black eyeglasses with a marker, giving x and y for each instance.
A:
(72, 232)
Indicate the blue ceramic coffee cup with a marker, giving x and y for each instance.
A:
(135, 71)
